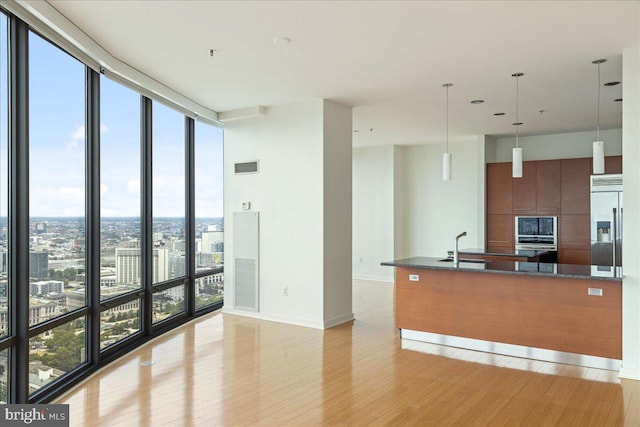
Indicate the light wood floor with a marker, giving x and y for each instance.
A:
(236, 371)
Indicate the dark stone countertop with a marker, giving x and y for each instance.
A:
(571, 271)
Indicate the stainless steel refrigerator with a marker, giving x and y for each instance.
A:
(606, 219)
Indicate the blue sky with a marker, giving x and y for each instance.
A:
(57, 144)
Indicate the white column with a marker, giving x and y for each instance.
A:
(631, 230)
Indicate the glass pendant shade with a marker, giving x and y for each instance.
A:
(517, 162)
(598, 157)
(446, 166)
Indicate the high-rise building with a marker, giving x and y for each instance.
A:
(40, 227)
(4, 260)
(210, 239)
(45, 287)
(39, 265)
(128, 265)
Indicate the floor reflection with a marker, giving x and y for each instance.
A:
(233, 370)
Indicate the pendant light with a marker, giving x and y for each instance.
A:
(446, 157)
(517, 151)
(598, 145)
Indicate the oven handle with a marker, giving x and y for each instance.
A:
(537, 247)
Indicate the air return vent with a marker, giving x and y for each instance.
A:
(246, 261)
(246, 167)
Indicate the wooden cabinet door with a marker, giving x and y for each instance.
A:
(574, 256)
(575, 184)
(548, 194)
(500, 232)
(523, 190)
(574, 239)
(499, 188)
(613, 164)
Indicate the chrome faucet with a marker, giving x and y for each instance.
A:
(455, 253)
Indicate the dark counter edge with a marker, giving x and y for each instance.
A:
(572, 271)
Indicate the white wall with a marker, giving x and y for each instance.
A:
(436, 210)
(337, 195)
(373, 212)
(631, 230)
(556, 146)
(398, 204)
(289, 194)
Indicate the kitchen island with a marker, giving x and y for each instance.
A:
(559, 312)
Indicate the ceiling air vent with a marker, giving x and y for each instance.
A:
(246, 167)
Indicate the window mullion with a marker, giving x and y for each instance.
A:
(19, 207)
(92, 214)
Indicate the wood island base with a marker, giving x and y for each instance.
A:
(536, 312)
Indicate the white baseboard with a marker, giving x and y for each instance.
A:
(629, 373)
(513, 350)
(308, 323)
(372, 278)
(338, 320)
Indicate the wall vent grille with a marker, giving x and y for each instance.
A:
(246, 295)
(246, 167)
(246, 263)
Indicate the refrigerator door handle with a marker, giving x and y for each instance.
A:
(615, 236)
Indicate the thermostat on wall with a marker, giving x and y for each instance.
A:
(246, 206)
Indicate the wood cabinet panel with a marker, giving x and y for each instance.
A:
(574, 240)
(523, 190)
(535, 311)
(574, 231)
(499, 188)
(613, 164)
(574, 256)
(575, 184)
(500, 232)
(548, 194)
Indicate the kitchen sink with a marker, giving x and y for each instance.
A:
(474, 261)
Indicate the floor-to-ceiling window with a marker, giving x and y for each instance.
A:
(209, 227)
(57, 238)
(120, 233)
(100, 187)
(169, 198)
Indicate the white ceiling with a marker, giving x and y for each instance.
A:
(386, 59)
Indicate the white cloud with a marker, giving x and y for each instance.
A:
(133, 186)
(77, 138)
(104, 128)
(104, 188)
(71, 193)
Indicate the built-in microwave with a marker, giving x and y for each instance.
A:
(536, 232)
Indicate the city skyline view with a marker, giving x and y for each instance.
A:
(137, 289)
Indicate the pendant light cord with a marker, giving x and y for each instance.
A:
(598, 108)
(447, 118)
(517, 110)
(447, 86)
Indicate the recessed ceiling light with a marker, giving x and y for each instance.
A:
(477, 101)
(498, 114)
(517, 123)
(212, 52)
(612, 83)
(282, 40)
(617, 100)
(356, 131)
